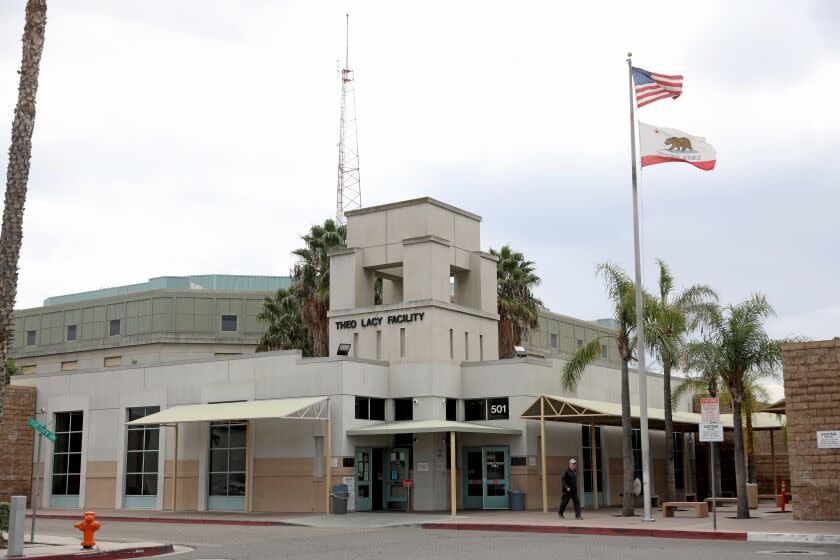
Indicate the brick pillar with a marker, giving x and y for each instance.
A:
(812, 403)
(17, 441)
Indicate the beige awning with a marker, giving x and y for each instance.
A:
(581, 411)
(310, 408)
(428, 426)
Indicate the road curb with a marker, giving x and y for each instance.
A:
(810, 538)
(189, 521)
(603, 531)
(132, 552)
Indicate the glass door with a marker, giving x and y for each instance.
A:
(496, 464)
(472, 487)
(363, 479)
(586, 475)
(227, 466)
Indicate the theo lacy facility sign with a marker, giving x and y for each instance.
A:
(397, 319)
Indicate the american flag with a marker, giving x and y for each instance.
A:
(651, 86)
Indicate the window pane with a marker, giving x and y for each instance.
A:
(76, 442)
(152, 437)
(134, 462)
(228, 322)
(451, 409)
(61, 443)
(74, 463)
(76, 421)
(60, 463)
(377, 409)
(219, 436)
(219, 461)
(475, 409)
(73, 484)
(133, 485)
(237, 436)
(62, 422)
(71, 332)
(218, 484)
(362, 408)
(59, 485)
(114, 328)
(135, 440)
(403, 410)
(30, 338)
(236, 484)
(236, 460)
(150, 484)
(150, 462)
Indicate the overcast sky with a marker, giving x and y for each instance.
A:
(197, 137)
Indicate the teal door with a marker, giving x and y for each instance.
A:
(396, 472)
(472, 483)
(496, 466)
(364, 456)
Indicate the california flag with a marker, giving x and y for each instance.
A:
(662, 145)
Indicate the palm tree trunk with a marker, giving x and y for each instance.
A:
(17, 175)
(670, 480)
(628, 503)
(740, 466)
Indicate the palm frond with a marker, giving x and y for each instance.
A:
(577, 364)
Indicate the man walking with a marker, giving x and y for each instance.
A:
(570, 491)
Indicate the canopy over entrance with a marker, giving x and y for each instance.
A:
(430, 426)
(307, 408)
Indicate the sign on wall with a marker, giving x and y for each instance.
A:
(350, 481)
(711, 431)
(829, 439)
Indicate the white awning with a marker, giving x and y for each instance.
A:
(429, 426)
(307, 408)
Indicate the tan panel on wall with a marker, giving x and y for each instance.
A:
(100, 492)
(187, 485)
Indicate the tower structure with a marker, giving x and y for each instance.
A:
(349, 188)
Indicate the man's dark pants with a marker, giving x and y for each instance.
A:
(565, 501)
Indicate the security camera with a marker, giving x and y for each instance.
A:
(414, 402)
(42, 410)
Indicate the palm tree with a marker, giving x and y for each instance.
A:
(517, 304)
(738, 349)
(311, 281)
(285, 330)
(621, 292)
(675, 315)
(17, 175)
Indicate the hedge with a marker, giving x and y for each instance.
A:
(4, 516)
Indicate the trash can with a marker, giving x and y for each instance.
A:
(517, 500)
(339, 497)
(752, 495)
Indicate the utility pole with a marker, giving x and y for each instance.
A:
(349, 188)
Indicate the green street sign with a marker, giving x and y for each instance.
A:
(41, 429)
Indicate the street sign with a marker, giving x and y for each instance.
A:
(41, 429)
(710, 410)
(828, 439)
(711, 431)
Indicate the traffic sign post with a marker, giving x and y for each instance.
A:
(44, 433)
(711, 430)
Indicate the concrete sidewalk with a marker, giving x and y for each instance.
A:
(68, 548)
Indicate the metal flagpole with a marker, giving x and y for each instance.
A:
(640, 325)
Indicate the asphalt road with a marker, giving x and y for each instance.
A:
(408, 543)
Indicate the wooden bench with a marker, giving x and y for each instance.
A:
(701, 508)
(722, 501)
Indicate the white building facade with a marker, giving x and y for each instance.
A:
(270, 432)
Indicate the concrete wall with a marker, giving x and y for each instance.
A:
(812, 403)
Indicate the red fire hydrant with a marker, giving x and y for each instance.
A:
(88, 527)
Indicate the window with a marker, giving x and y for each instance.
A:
(69, 365)
(114, 327)
(67, 455)
(466, 347)
(29, 369)
(71, 333)
(578, 343)
(481, 347)
(30, 338)
(402, 343)
(553, 340)
(141, 458)
(113, 361)
(378, 345)
(227, 458)
(356, 345)
(403, 409)
(518, 461)
(604, 354)
(452, 409)
(678, 460)
(370, 408)
(229, 323)
(486, 409)
(586, 438)
(451, 344)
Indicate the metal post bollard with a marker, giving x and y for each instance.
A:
(783, 495)
(17, 520)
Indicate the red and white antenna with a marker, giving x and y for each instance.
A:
(349, 189)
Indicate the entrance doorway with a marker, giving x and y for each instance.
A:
(380, 473)
(486, 478)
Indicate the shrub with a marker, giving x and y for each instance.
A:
(4, 516)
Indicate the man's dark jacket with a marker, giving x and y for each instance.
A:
(570, 481)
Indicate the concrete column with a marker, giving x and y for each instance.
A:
(425, 269)
(17, 520)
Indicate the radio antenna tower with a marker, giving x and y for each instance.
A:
(349, 189)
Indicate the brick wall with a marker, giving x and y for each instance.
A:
(16, 442)
(812, 402)
(764, 460)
